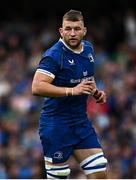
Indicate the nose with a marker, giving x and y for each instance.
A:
(72, 32)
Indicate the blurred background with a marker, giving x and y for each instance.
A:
(27, 29)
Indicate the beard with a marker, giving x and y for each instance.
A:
(73, 43)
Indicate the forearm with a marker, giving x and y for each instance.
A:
(42, 86)
(46, 89)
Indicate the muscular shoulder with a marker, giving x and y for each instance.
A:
(54, 52)
(88, 48)
(88, 44)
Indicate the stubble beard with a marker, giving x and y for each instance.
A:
(73, 46)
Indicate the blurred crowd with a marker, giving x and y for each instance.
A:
(21, 46)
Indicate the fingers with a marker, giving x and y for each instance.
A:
(88, 82)
(88, 87)
(102, 98)
(85, 87)
(86, 92)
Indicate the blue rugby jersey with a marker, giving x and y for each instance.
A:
(68, 69)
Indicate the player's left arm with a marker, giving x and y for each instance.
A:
(99, 95)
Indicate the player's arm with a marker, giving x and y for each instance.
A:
(42, 86)
(99, 96)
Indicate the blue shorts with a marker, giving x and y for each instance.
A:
(59, 141)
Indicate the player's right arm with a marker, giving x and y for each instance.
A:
(42, 86)
(46, 72)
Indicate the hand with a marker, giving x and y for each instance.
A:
(101, 98)
(85, 87)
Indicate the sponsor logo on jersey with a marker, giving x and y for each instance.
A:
(79, 80)
(71, 62)
(58, 155)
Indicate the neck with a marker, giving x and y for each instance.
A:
(78, 49)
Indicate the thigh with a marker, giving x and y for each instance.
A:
(56, 143)
(87, 146)
(87, 137)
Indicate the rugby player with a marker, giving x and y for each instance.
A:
(65, 79)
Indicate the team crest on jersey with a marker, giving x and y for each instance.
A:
(91, 58)
(58, 155)
(71, 62)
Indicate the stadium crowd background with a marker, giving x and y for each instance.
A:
(29, 28)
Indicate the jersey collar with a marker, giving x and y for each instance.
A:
(77, 52)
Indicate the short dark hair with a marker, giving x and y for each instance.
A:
(73, 15)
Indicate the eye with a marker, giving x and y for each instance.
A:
(67, 29)
(77, 28)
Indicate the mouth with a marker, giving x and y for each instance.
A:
(73, 40)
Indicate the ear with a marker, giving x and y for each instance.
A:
(61, 31)
(85, 31)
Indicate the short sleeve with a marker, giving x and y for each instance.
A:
(48, 66)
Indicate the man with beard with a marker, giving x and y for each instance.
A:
(65, 78)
